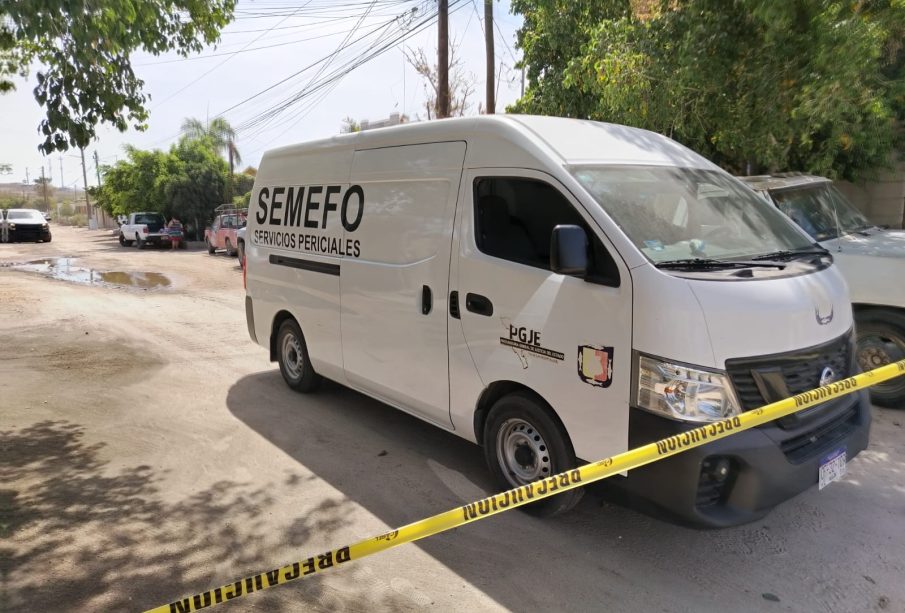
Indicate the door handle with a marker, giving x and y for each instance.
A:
(476, 303)
(427, 300)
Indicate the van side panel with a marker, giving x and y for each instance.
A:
(286, 254)
(394, 328)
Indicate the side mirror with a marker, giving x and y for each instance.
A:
(569, 250)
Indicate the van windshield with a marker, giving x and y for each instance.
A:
(821, 210)
(677, 213)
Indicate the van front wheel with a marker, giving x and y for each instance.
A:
(292, 353)
(524, 443)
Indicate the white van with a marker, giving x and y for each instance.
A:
(871, 259)
(557, 291)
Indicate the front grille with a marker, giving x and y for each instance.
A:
(765, 379)
(27, 233)
(809, 444)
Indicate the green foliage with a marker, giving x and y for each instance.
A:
(13, 201)
(221, 135)
(83, 50)
(187, 182)
(752, 84)
(197, 181)
(242, 183)
(243, 200)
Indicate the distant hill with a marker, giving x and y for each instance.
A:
(59, 193)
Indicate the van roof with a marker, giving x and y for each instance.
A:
(572, 141)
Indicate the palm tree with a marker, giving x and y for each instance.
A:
(222, 135)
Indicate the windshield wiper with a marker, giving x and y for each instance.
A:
(791, 254)
(708, 263)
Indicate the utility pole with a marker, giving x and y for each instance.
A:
(27, 182)
(85, 180)
(62, 184)
(97, 168)
(44, 188)
(443, 59)
(488, 49)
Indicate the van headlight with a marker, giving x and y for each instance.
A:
(684, 392)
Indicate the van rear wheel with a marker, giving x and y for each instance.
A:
(524, 443)
(292, 354)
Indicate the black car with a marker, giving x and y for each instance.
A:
(26, 225)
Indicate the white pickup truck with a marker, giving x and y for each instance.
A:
(871, 259)
(143, 229)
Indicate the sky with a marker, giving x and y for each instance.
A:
(267, 42)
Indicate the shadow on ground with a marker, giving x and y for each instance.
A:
(78, 534)
(401, 469)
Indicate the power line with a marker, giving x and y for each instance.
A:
(284, 80)
(232, 55)
(333, 79)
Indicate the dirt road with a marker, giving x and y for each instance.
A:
(149, 450)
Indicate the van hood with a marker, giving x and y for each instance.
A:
(768, 316)
(703, 322)
(875, 242)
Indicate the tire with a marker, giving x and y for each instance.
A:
(229, 248)
(292, 354)
(138, 242)
(880, 336)
(524, 442)
(210, 248)
(48, 239)
(122, 240)
(240, 251)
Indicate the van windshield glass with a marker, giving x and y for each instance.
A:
(678, 213)
(821, 210)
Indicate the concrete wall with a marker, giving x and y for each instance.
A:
(881, 199)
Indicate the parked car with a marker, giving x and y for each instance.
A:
(221, 234)
(871, 259)
(26, 225)
(558, 290)
(145, 228)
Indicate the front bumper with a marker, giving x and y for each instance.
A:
(767, 465)
(27, 233)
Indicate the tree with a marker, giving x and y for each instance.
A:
(43, 186)
(752, 84)
(84, 49)
(136, 183)
(242, 184)
(461, 84)
(222, 135)
(350, 126)
(6, 169)
(196, 182)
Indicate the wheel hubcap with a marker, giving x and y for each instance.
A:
(292, 356)
(522, 452)
(876, 351)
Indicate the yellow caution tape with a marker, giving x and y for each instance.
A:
(525, 494)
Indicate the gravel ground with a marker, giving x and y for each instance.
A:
(149, 450)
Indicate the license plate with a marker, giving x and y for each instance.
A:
(832, 468)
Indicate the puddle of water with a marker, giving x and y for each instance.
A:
(65, 270)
